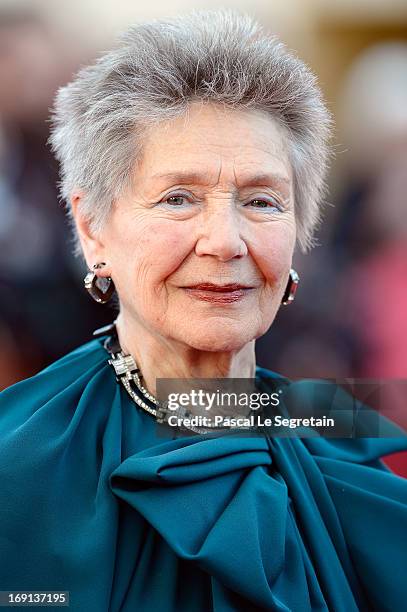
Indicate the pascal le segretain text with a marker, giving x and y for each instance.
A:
(254, 420)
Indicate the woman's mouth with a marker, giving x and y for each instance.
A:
(218, 294)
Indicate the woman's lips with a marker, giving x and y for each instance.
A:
(218, 294)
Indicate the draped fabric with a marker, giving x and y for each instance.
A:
(94, 501)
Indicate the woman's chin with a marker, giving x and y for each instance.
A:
(215, 339)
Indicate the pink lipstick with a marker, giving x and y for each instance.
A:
(218, 294)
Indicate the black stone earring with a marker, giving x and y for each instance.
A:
(100, 288)
(291, 288)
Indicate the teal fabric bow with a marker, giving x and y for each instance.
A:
(94, 500)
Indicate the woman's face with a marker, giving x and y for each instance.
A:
(211, 205)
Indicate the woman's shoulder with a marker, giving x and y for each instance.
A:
(67, 367)
(361, 434)
(62, 379)
(267, 375)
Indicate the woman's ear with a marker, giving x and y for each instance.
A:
(92, 245)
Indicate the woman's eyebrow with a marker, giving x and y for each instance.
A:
(188, 178)
(264, 179)
(182, 177)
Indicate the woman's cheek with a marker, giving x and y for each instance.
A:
(273, 260)
(160, 251)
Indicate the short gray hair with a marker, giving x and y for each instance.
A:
(157, 70)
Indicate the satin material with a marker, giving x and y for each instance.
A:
(94, 501)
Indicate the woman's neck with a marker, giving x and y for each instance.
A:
(159, 357)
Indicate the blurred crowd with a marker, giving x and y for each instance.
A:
(43, 311)
(349, 318)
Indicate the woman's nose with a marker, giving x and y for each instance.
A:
(220, 235)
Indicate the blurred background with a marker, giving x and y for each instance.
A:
(349, 319)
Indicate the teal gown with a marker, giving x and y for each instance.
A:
(93, 501)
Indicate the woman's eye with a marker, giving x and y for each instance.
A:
(175, 201)
(259, 203)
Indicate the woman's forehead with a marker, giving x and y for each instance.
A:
(248, 145)
(215, 126)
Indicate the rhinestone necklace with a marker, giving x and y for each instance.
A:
(129, 375)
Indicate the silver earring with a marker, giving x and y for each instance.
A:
(100, 288)
(291, 288)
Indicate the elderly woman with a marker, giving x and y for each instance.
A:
(193, 157)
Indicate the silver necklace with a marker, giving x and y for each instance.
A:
(129, 375)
